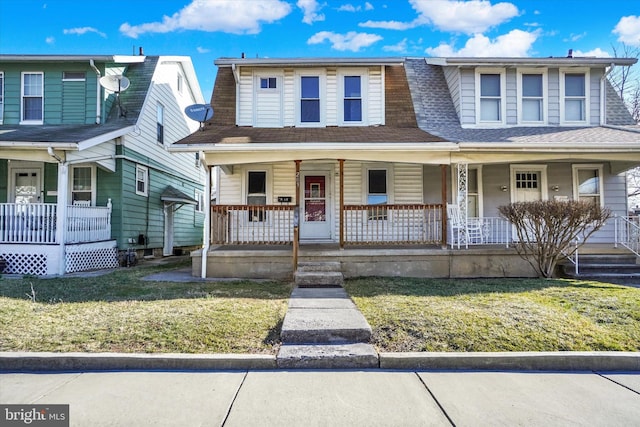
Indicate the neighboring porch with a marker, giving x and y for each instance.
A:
(33, 242)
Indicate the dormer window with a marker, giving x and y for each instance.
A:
(574, 89)
(532, 87)
(490, 103)
(310, 99)
(352, 99)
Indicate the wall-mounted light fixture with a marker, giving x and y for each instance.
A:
(503, 188)
(555, 188)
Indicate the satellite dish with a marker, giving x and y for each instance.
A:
(200, 113)
(115, 83)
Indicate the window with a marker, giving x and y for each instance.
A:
(310, 99)
(268, 83)
(142, 181)
(377, 194)
(574, 89)
(587, 183)
(1, 96)
(199, 196)
(352, 99)
(82, 184)
(257, 195)
(532, 87)
(78, 76)
(490, 96)
(32, 98)
(160, 123)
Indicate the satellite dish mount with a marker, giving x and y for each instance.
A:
(200, 113)
(116, 83)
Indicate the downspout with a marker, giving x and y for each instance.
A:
(603, 95)
(98, 103)
(206, 232)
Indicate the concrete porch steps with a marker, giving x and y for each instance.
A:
(318, 274)
(324, 329)
(604, 267)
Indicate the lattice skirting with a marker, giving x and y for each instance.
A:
(91, 259)
(25, 263)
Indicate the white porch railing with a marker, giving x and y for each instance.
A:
(627, 233)
(35, 223)
(495, 231)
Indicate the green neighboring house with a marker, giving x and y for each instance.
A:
(84, 170)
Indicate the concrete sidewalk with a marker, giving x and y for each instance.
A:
(333, 398)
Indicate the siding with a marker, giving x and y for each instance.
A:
(467, 97)
(452, 76)
(594, 94)
(245, 99)
(511, 97)
(554, 96)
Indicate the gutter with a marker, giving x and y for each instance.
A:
(98, 103)
(603, 95)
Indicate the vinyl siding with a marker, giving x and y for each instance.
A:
(467, 97)
(452, 76)
(554, 96)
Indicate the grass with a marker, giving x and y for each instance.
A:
(119, 312)
(498, 314)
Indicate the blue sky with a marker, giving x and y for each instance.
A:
(209, 29)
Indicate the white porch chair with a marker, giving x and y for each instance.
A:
(467, 231)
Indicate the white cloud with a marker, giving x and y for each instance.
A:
(201, 49)
(348, 8)
(368, 6)
(310, 9)
(235, 17)
(399, 47)
(50, 40)
(84, 30)
(389, 25)
(351, 41)
(597, 52)
(516, 43)
(575, 37)
(628, 30)
(469, 17)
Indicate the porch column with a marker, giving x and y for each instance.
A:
(443, 179)
(462, 173)
(341, 162)
(206, 232)
(296, 218)
(61, 216)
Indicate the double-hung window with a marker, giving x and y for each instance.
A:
(32, 108)
(491, 91)
(257, 195)
(352, 99)
(160, 124)
(574, 89)
(309, 99)
(377, 194)
(532, 87)
(142, 181)
(82, 188)
(587, 183)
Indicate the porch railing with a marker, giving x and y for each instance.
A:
(243, 224)
(35, 223)
(627, 233)
(393, 224)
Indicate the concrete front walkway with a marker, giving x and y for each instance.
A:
(331, 398)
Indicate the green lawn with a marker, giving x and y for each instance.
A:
(119, 312)
(498, 314)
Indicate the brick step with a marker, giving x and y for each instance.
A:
(327, 356)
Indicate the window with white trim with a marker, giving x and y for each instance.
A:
(532, 87)
(377, 194)
(1, 97)
(574, 92)
(160, 123)
(32, 105)
(310, 111)
(142, 180)
(82, 184)
(587, 183)
(490, 96)
(268, 83)
(257, 195)
(352, 104)
(199, 196)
